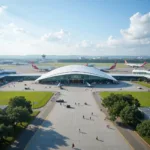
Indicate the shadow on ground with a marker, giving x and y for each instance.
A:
(122, 125)
(50, 138)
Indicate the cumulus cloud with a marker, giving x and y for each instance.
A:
(2, 9)
(138, 34)
(55, 36)
(136, 37)
(139, 27)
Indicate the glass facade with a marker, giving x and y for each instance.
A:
(3, 72)
(142, 72)
(75, 78)
(70, 79)
(6, 79)
(129, 78)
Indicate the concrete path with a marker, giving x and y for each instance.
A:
(61, 127)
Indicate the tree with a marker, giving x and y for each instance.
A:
(24, 114)
(20, 101)
(130, 115)
(5, 131)
(117, 108)
(131, 100)
(4, 118)
(144, 128)
(113, 98)
(18, 114)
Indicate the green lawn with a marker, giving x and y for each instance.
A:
(143, 97)
(143, 83)
(19, 128)
(38, 99)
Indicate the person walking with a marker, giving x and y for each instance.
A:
(90, 118)
(92, 113)
(79, 130)
(72, 145)
(97, 138)
(83, 116)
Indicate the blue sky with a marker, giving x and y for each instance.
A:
(86, 27)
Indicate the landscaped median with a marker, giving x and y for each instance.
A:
(38, 99)
(124, 106)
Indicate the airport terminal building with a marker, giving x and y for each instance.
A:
(76, 74)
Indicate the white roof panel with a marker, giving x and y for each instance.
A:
(76, 69)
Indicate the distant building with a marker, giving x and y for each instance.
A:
(6, 72)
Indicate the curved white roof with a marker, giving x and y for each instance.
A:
(76, 69)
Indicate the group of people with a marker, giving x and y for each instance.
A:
(73, 145)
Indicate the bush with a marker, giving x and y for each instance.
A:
(144, 128)
(131, 115)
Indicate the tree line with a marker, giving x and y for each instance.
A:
(17, 111)
(126, 107)
(102, 60)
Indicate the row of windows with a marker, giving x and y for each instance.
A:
(144, 73)
(6, 73)
(70, 78)
(68, 82)
(129, 78)
(74, 77)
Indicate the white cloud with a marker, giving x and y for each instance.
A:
(139, 27)
(2, 9)
(15, 38)
(55, 36)
(11, 29)
(135, 37)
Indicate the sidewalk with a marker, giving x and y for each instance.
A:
(134, 140)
